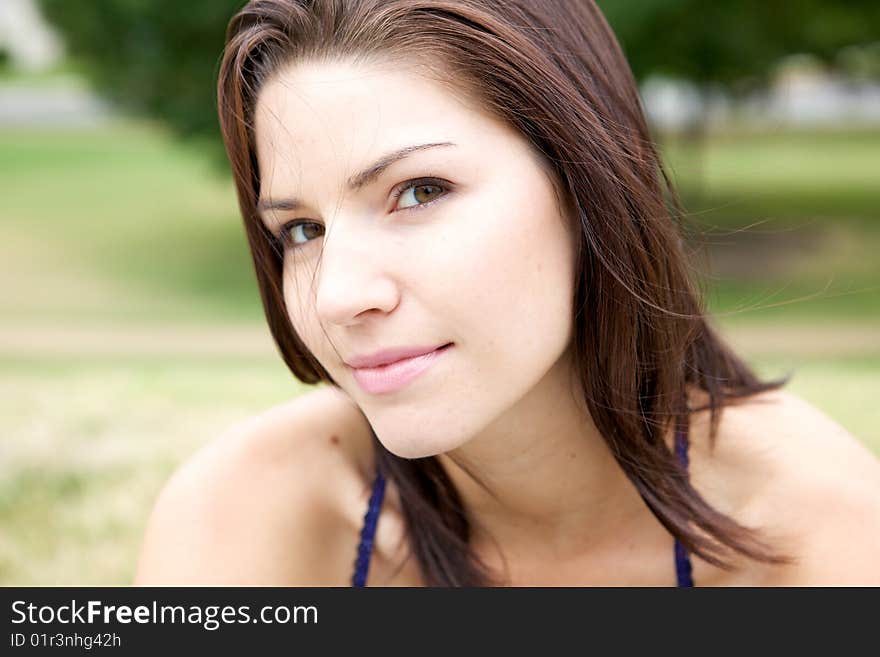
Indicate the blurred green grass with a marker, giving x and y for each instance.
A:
(122, 226)
(93, 440)
(790, 177)
(127, 209)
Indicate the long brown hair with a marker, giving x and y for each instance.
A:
(555, 72)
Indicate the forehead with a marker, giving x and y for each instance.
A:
(326, 117)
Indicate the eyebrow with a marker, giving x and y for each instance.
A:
(359, 179)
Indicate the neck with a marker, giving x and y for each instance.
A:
(548, 483)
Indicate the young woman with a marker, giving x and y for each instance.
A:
(460, 225)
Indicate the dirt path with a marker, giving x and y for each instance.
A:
(164, 340)
(832, 339)
(254, 340)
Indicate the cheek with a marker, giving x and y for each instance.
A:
(511, 270)
(300, 303)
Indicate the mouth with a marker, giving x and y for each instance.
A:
(390, 377)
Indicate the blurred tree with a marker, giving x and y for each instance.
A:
(734, 44)
(156, 58)
(159, 58)
(861, 62)
(735, 41)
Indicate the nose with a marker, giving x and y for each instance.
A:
(352, 280)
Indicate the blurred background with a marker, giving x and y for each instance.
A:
(131, 330)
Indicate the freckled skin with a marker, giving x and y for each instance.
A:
(487, 265)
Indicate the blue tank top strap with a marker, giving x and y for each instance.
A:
(683, 569)
(365, 547)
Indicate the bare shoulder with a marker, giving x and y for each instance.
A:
(269, 502)
(782, 466)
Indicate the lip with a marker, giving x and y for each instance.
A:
(391, 355)
(397, 370)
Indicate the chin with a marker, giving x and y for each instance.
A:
(413, 445)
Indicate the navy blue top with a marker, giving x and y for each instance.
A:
(365, 547)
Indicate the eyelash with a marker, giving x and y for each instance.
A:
(284, 234)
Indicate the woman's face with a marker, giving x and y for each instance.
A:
(474, 252)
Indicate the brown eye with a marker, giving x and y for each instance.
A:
(302, 232)
(420, 194)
